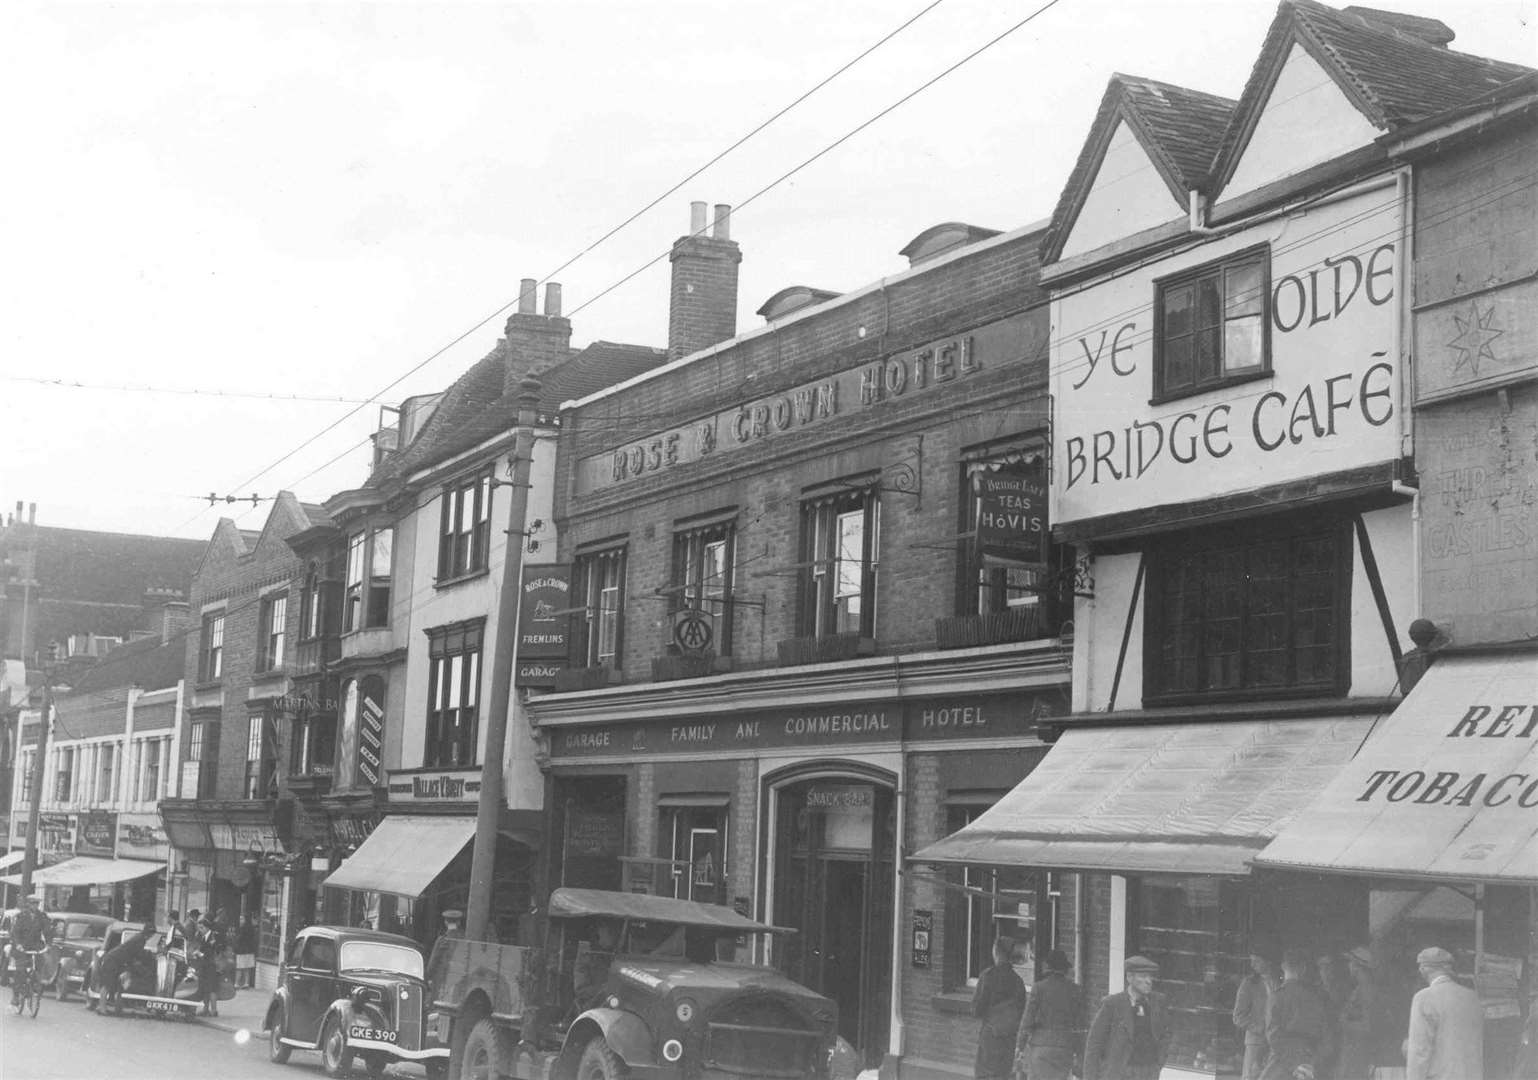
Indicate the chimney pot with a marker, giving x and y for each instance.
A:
(723, 225)
(528, 292)
(553, 299)
(696, 219)
(32, 513)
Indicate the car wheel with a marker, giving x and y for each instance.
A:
(486, 1053)
(335, 1058)
(600, 1062)
(277, 1050)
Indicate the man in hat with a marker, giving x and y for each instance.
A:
(1131, 1030)
(31, 932)
(1447, 1024)
(998, 1002)
(1297, 1022)
(1250, 1005)
(120, 959)
(1053, 1025)
(1359, 1018)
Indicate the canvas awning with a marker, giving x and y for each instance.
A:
(12, 858)
(403, 854)
(1445, 788)
(88, 870)
(1193, 798)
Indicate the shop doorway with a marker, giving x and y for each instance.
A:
(832, 879)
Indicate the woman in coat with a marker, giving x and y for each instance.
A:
(999, 1002)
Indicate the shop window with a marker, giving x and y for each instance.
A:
(269, 936)
(261, 757)
(64, 774)
(839, 543)
(1257, 608)
(1212, 325)
(314, 748)
(991, 902)
(598, 578)
(464, 531)
(590, 821)
(702, 576)
(453, 695)
(211, 648)
(1196, 929)
(693, 838)
(272, 624)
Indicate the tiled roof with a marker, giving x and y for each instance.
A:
(148, 663)
(475, 409)
(1393, 73)
(115, 568)
(1179, 127)
(317, 514)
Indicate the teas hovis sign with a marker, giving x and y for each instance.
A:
(1257, 359)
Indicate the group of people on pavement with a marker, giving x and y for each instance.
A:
(1302, 1019)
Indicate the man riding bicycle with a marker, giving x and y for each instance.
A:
(31, 933)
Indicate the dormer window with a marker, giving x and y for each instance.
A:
(1212, 325)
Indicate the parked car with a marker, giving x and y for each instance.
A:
(76, 937)
(154, 986)
(353, 993)
(6, 917)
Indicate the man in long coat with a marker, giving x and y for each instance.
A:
(1053, 1022)
(998, 1001)
(1250, 1006)
(1447, 1024)
(1297, 1022)
(1131, 1031)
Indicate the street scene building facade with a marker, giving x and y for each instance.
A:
(1154, 582)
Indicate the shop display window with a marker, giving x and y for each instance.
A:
(1197, 930)
(995, 901)
(269, 927)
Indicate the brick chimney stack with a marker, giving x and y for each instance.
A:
(702, 309)
(535, 343)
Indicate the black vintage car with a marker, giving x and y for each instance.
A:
(152, 986)
(354, 994)
(76, 937)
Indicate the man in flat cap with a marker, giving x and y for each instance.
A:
(1250, 1005)
(1447, 1024)
(1298, 1022)
(1361, 1018)
(1131, 1030)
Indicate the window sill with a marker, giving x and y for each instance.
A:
(209, 684)
(956, 1002)
(1207, 388)
(1258, 695)
(460, 579)
(270, 673)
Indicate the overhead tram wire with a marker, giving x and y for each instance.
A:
(606, 236)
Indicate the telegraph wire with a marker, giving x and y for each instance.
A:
(77, 384)
(482, 322)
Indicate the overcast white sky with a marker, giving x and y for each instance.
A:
(311, 199)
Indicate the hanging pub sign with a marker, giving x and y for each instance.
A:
(1012, 518)
(544, 624)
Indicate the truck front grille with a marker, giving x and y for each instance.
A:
(761, 1036)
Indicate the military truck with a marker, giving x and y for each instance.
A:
(625, 984)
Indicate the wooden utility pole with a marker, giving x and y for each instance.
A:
(489, 809)
(39, 770)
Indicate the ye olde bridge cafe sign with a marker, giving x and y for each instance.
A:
(921, 720)
(1327, 403)
(815, 404)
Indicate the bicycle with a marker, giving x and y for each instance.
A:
(25, 992)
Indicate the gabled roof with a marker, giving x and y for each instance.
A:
(1384, 62)
(149, 663)
(475, 408)
(1179, 128)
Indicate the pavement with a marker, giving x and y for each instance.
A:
(243, 1012)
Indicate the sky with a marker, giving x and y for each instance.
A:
(228, 225)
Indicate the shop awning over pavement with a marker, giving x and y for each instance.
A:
(88, 870)
(403, 854)
(1445, 788)
(1193, 798)
(12, 858)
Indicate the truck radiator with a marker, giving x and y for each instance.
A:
(761, 1036)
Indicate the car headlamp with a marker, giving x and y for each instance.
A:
(685, 1011)
(672, 1050)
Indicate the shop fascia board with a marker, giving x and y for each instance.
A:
(987, 669)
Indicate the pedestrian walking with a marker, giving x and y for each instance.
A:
(1131, 1032)
(1052, 1029)
(999, 1001)
(1447, 1024)
(1360, 1018)
(1297, 1023)
(245, 954)
(210, 942)
(1250, 1003)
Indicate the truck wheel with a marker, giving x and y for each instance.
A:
(277, 1050)
(486, 1055)
(335, 1058)
(600, 1062)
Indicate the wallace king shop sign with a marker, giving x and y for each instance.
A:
(1328, 403)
